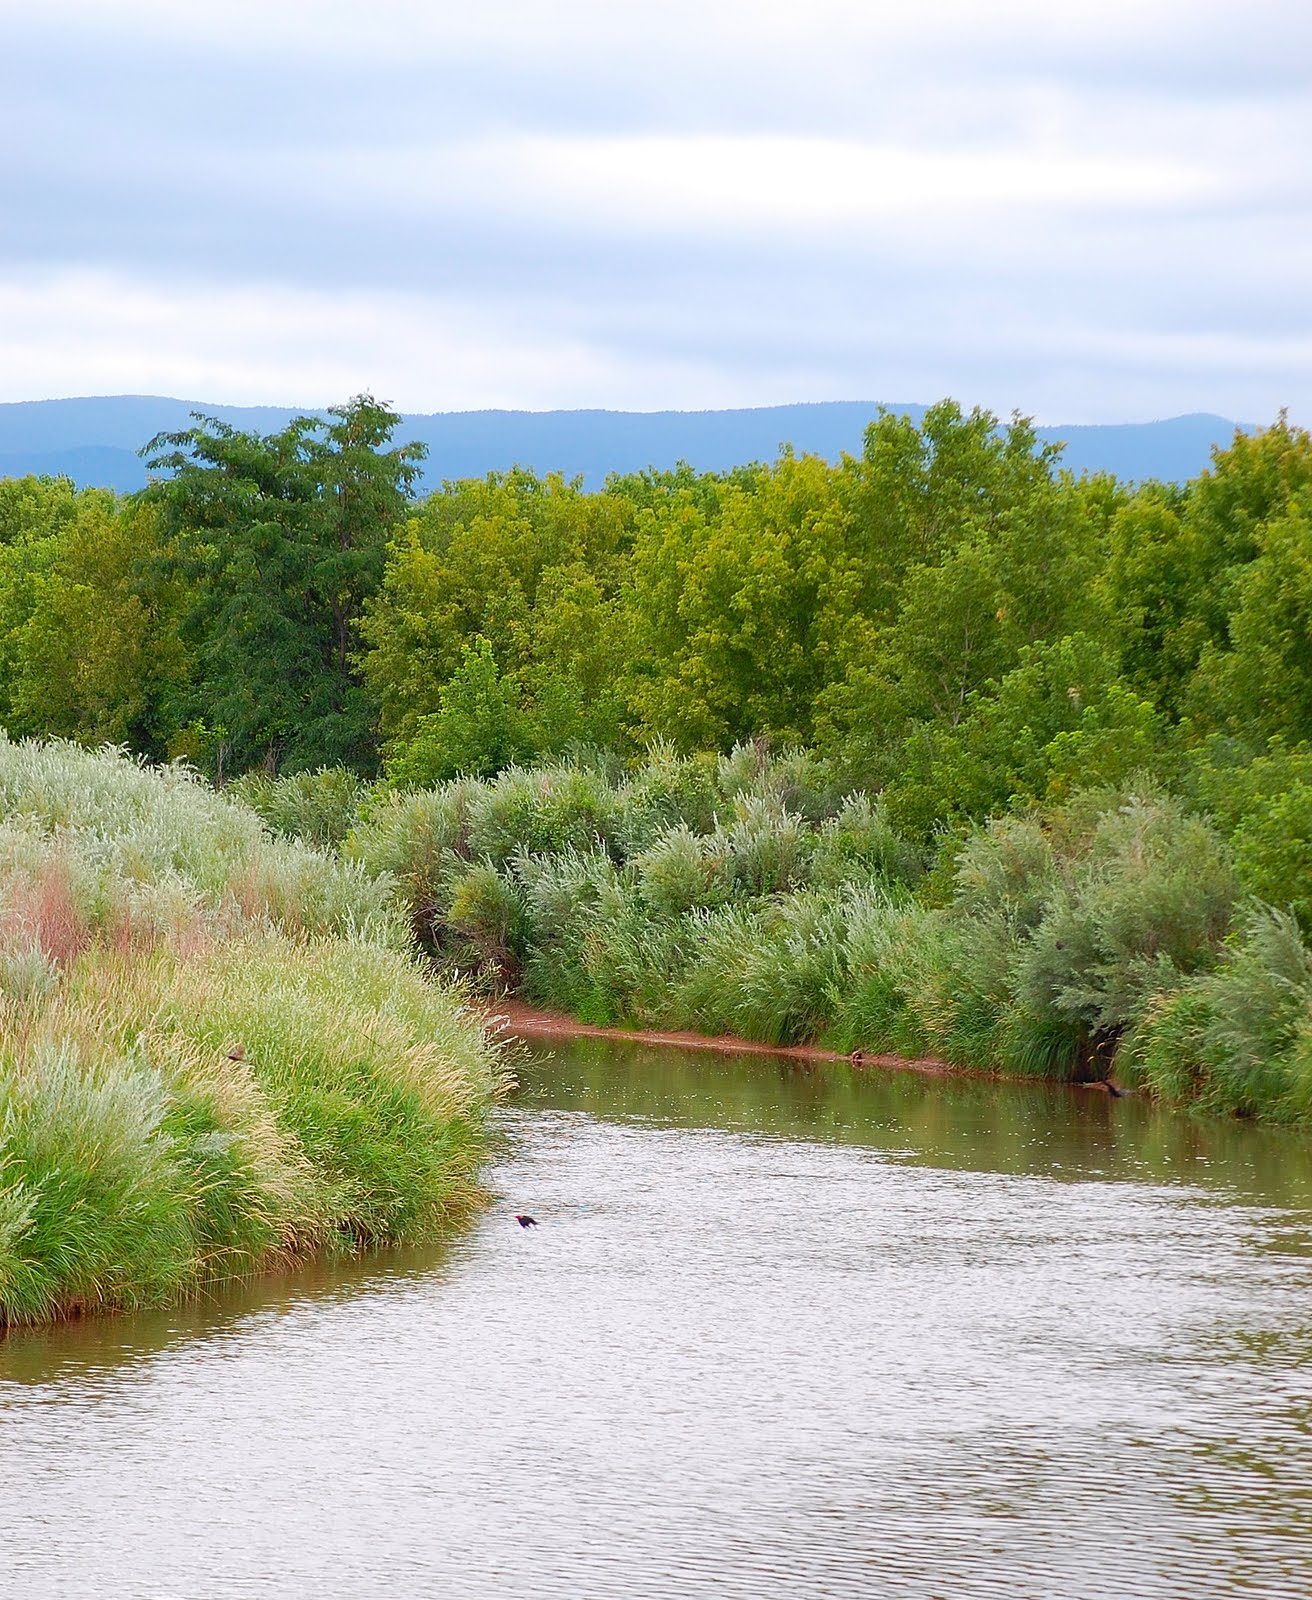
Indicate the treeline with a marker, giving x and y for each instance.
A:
(949, 619)
(1058, 728)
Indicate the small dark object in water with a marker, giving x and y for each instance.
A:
(1116, 1094)
(526, 1222)
(856, 1058)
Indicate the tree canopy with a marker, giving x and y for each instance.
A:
(278, 541)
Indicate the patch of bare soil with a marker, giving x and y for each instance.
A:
(520, 1021)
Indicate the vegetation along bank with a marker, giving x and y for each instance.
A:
(217, 1052)
(939, 750)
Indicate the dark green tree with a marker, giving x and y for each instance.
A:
(281, 540)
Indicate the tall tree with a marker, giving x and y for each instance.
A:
(92, 651)
(281, 540)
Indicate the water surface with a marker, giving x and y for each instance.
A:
(782, 1331)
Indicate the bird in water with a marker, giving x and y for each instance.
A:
(526, 1222)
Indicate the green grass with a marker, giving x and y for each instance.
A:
(218, 1052)
(166, 1120)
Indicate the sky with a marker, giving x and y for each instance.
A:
(1089, 212)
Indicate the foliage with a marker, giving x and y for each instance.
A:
(278, 542)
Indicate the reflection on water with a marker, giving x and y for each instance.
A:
(783, 1331)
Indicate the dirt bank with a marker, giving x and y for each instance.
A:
(521, 1021)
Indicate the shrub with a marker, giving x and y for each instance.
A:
(408, 834)
(101, 839)
(418, 841)
(318, 808)
(93, 1202)
(1149, 904)
(789, 968)
(634, 966)
(215, 1051)
(1234, 1040)
(487, 911)
(794, 780)
(377, 1073)
(767, 848)
(859, 845)
(538, 811)
(680, 872)
(566, 898)
(667, 792)
(1006, 869)
(878, 1003)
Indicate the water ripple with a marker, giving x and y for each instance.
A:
(724, 1364)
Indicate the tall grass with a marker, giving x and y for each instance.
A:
(166, 1121)
(217, 1052)
(744, 895)
(155, 844)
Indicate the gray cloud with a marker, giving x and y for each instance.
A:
(1103, 206)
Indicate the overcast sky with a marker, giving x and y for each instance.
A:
(1090, 210)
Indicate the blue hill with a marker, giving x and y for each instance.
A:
(94, 441)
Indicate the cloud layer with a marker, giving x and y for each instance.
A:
(1090, 212)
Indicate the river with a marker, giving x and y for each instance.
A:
(782, 1331)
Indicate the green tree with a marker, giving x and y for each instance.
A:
(96, 656)
(919, 489)
(478, 729)
(969, 546)
(280, 541)
(530, 564)
(1259, 683)
(1155, 586)
(1060, 719)
(738, 612)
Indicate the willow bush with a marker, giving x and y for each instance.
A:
(742, 895)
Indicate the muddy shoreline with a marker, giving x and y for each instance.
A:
(518, 1020)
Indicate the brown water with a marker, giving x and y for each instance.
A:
(782, 1332)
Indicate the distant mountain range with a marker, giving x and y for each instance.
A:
(95, 441)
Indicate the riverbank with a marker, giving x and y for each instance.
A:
(519, 1020)
(743, 901)
(516, 1019)
(219, 1055)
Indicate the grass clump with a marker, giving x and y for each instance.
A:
(167, 1121)
(217, 1052)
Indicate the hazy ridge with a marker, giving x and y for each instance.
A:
(95, 441)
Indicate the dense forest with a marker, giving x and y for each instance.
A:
(941, 748)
